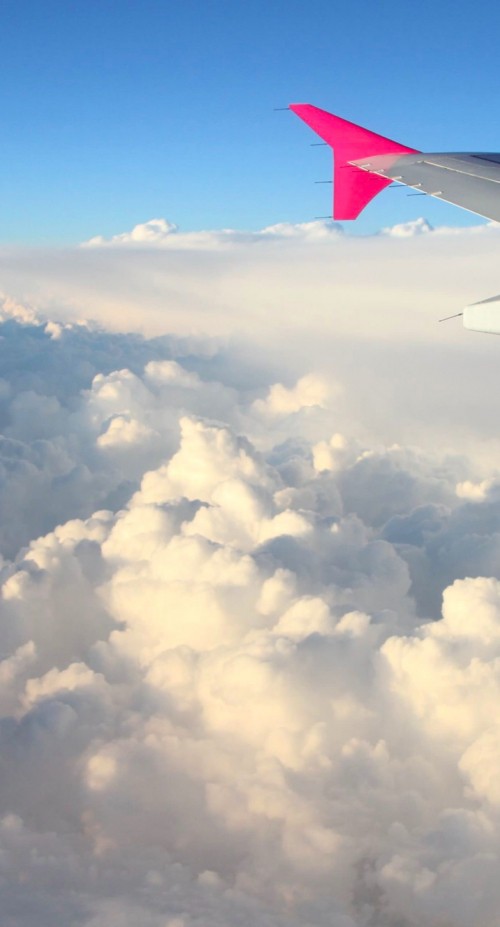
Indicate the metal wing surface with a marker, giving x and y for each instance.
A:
(471, 181)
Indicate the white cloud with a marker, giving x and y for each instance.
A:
(149, 233)
(409, 229)
(250, 629)
(159, 233)
(309, 391)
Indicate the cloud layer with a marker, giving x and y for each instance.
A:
(250, 650)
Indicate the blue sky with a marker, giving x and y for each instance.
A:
(115, 112)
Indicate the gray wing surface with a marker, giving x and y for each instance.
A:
(469, 180)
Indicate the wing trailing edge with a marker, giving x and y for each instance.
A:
(353, 187)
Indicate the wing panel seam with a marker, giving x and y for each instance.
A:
(456, 170)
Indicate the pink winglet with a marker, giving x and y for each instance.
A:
(353, 188)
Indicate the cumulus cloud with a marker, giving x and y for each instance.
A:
(249, 641)
(309, 391)
(153, 232)
(159, 233)
(409, 229)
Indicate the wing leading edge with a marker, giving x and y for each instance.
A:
(365, 163)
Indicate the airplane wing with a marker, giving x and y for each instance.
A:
(365, 163)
